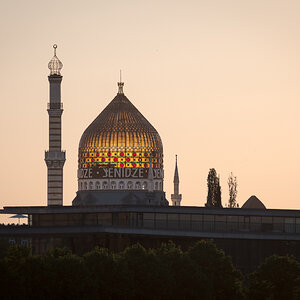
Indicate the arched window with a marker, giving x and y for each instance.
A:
(160, 186)
(91, 185)
(98, 187)
(121, 185)
(81, 185)
(129, 185)
(113, 185)
(85, 186)
(145, 186)
(138, 185)
(105, 186)
(156, 186)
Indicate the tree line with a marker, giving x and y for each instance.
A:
(201, 272)
(214, 193)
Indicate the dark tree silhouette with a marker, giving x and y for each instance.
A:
(214, 189)
(202, 272)
(232, 185)
(277, 278)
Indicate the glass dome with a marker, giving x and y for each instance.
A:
(120, 137)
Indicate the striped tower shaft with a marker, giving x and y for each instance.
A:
(55, 157)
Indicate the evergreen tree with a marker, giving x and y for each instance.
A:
(214, 189)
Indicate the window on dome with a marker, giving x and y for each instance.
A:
(91, 186)
(113, 185)
(121, 185)
(98, 185)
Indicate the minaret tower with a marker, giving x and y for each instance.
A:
(176, 197)
(55, 158)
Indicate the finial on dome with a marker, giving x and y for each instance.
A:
(55, 65)
(120, 84)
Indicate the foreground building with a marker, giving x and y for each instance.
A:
(120, 198)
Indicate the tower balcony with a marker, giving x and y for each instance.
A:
(55, 155)
(55, 105)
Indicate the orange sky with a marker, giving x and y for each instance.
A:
(217, 79)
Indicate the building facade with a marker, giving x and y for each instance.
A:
(121, 200)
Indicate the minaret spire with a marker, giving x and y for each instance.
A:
(176, 197)
(55, 157)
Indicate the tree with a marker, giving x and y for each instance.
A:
(232, 185)
(276, 278)
(214, 189)
(213, 273)
(103, 274)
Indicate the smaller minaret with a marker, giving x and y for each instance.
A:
(176, 197)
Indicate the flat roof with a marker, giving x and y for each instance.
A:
(149, 209)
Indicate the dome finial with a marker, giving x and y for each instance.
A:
(54, 47)
(55, 65)
(120, 84)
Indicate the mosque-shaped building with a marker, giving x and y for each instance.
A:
(121, 200)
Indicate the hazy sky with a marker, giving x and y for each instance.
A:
(219, 80)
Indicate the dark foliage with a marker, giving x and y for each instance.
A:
(214, 189)
(201, 272)
(276, 279)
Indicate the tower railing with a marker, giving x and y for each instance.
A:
(54, 105)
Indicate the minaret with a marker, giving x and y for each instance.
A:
(55, 158)
(176, 197)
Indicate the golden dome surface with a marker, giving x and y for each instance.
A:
(120, 137)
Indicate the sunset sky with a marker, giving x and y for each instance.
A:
(219, 80)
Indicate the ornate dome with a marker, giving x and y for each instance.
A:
(55, 65)
(120, 158)
(120, 137)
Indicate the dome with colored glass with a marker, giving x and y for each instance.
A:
(120, 158)
(120, 137)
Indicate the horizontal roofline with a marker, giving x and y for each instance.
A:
(148, 209)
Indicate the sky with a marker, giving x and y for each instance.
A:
(219, 80)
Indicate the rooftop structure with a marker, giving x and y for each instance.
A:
(254, 203)
(114, 158)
